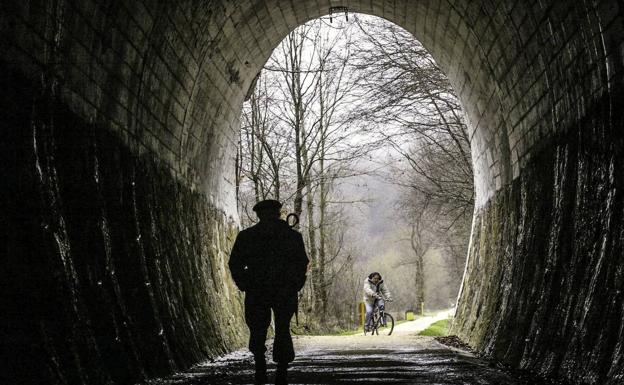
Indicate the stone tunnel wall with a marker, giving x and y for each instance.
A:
(545, 277)
(543, 283)
(117, 231)
(112, 270)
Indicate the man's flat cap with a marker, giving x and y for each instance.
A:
(268, 204)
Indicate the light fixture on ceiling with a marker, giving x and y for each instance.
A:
(339, 9)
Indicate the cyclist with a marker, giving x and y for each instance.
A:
(375, 294)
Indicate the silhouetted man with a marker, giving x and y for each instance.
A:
(268, 262)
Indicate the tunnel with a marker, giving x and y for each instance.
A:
(119, 125)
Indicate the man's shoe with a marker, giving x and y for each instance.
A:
(260, 379)
(260, 376)
(281, 375)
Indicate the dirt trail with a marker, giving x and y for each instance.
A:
(402, 358)
(405, 335)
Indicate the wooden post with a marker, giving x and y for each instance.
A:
(362, 312)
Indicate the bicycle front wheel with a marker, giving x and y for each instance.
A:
(386, 325)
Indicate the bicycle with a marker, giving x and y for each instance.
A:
(381, 322)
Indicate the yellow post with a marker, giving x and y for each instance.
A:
(409, 315)
(422, 309)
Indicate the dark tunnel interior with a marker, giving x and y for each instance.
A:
(116, 161)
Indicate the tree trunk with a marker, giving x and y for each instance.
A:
(322, 290)
(419, 275)
(322, 240)
(316, 276)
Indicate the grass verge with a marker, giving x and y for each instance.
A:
(436, 329)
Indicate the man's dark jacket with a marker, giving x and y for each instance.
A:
(269, 256)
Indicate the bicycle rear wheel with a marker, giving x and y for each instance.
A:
(386, 326)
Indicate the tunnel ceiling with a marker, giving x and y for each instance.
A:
(171, 77)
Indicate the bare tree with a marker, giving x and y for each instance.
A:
(324, 101)
(262, 150)
(406, 90)
(304, 107)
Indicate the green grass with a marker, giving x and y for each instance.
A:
(436, 329)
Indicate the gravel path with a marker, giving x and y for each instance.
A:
(402, 358)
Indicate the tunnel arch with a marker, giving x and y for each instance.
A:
(497, 77)
(161, 86)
